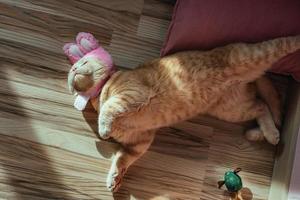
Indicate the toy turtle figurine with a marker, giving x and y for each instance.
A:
(232, 181)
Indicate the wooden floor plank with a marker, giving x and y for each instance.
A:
(159, 174)
(230, 150)
(131, 50)
(32, 171)
(153, 28)
(114, 16)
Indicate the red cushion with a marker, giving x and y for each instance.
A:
(205, 24)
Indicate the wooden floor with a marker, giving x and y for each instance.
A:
(48, 150)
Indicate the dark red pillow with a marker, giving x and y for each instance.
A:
(206, 24)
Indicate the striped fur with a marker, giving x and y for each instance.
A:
(133, 104)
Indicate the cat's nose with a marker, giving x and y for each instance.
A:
(83, 82)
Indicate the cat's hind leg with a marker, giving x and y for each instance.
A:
(268, 127)
(239, 110)
(131, 150)
(269, 94)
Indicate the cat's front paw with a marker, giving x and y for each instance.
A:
(104, 132)
(104, 129)
(114, 178)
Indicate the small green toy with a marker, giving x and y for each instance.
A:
(232, 181)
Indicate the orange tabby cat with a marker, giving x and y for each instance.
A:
(133, 104)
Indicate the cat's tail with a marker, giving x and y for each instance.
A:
(251, 60)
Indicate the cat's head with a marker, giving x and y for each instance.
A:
(86, 74)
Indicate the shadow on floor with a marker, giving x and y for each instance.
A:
(26, 168)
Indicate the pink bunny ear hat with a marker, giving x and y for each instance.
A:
(87, 46)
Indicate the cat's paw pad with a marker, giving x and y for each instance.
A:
(114, 179)
(272, 136)
(87, 41)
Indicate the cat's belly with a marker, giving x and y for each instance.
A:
(155, 116)
(171, 106)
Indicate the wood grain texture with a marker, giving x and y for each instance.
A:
(154, 28)
(131, 50)
(51, 151)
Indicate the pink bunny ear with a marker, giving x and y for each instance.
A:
(87, 42)
(73, 52)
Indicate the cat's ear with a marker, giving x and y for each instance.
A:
(220, 184)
